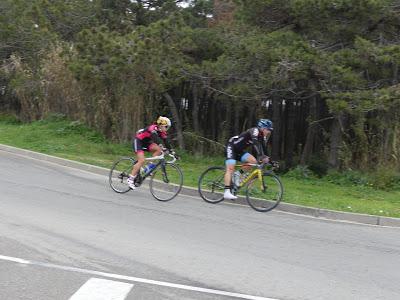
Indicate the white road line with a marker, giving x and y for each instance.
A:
(135, 279)
(102, 289)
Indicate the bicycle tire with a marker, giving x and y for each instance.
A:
(267, 198)
(212, 180)
(166, 182)
(119, 173)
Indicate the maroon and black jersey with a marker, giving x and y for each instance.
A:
(151, 134)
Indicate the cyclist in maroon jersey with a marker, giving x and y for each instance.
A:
(255, 137)
(149, 139)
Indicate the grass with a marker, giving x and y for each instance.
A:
(72, 140)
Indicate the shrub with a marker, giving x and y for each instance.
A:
(383, 178)
(301, 172)
(318, 165)
(9, 119)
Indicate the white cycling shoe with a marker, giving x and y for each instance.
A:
(131, 182)
(229, 196)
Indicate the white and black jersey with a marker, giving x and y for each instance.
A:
(250, 138)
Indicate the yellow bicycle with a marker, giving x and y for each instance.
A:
(262, 187)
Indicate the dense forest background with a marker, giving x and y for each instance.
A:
(325, 71)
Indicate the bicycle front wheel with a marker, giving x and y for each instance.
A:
(166, 182)
(264, 195)
(119, 174)
(211, 184)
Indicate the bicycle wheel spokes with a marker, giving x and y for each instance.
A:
(266, 195)
(166, 182)
(211, 185)
(119, 173)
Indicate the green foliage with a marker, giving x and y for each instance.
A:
(256, 63)
(77, 128)
(383, 178)
(323, 21)
(348, 177)
(24, 30)
(318, 165)
(67, 18)
(9, 119)
(54, 117)
(124, 55)
(197, 13)
(151, 56)
(301, 173)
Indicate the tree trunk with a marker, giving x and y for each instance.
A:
(236, 126)
(395, 69)
(336, 141)
(195, 109)
(226, 128)
(178, 123)
(290, 133)
(276, 119)
(312, 129)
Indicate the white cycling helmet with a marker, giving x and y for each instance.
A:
(164, 121)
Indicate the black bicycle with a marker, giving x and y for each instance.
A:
(166, 178)
(263, 188)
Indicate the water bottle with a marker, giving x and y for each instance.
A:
(236, 178)
(147, 169)
(244, 176)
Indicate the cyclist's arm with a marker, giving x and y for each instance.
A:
(264, 146)
(161, 138)
(155, 137)
(257, 146)
(166, 142)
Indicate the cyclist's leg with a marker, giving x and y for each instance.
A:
(155, 149)
(248, 158)
(140, 161)
(230, 163)
(139, 150)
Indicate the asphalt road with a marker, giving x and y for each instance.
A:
(62, 231)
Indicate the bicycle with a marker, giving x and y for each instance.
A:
(166, 178)
(264, 189)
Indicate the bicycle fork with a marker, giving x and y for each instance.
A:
(164, 174)
(263, 186)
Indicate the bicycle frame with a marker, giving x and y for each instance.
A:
(255, 173)
(262, 188)
(161, 160)
(162, 185)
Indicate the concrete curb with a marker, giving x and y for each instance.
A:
(285, 207)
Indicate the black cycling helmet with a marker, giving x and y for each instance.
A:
(265, 123)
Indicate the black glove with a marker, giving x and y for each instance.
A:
(275, 164)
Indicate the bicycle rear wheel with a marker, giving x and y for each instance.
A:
(166, 182)
(119, 173)
(266, 195)
(211, 185)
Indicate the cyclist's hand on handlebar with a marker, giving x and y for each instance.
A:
(264, 159)
(275, 164)
(165, 150)
(172, 152)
